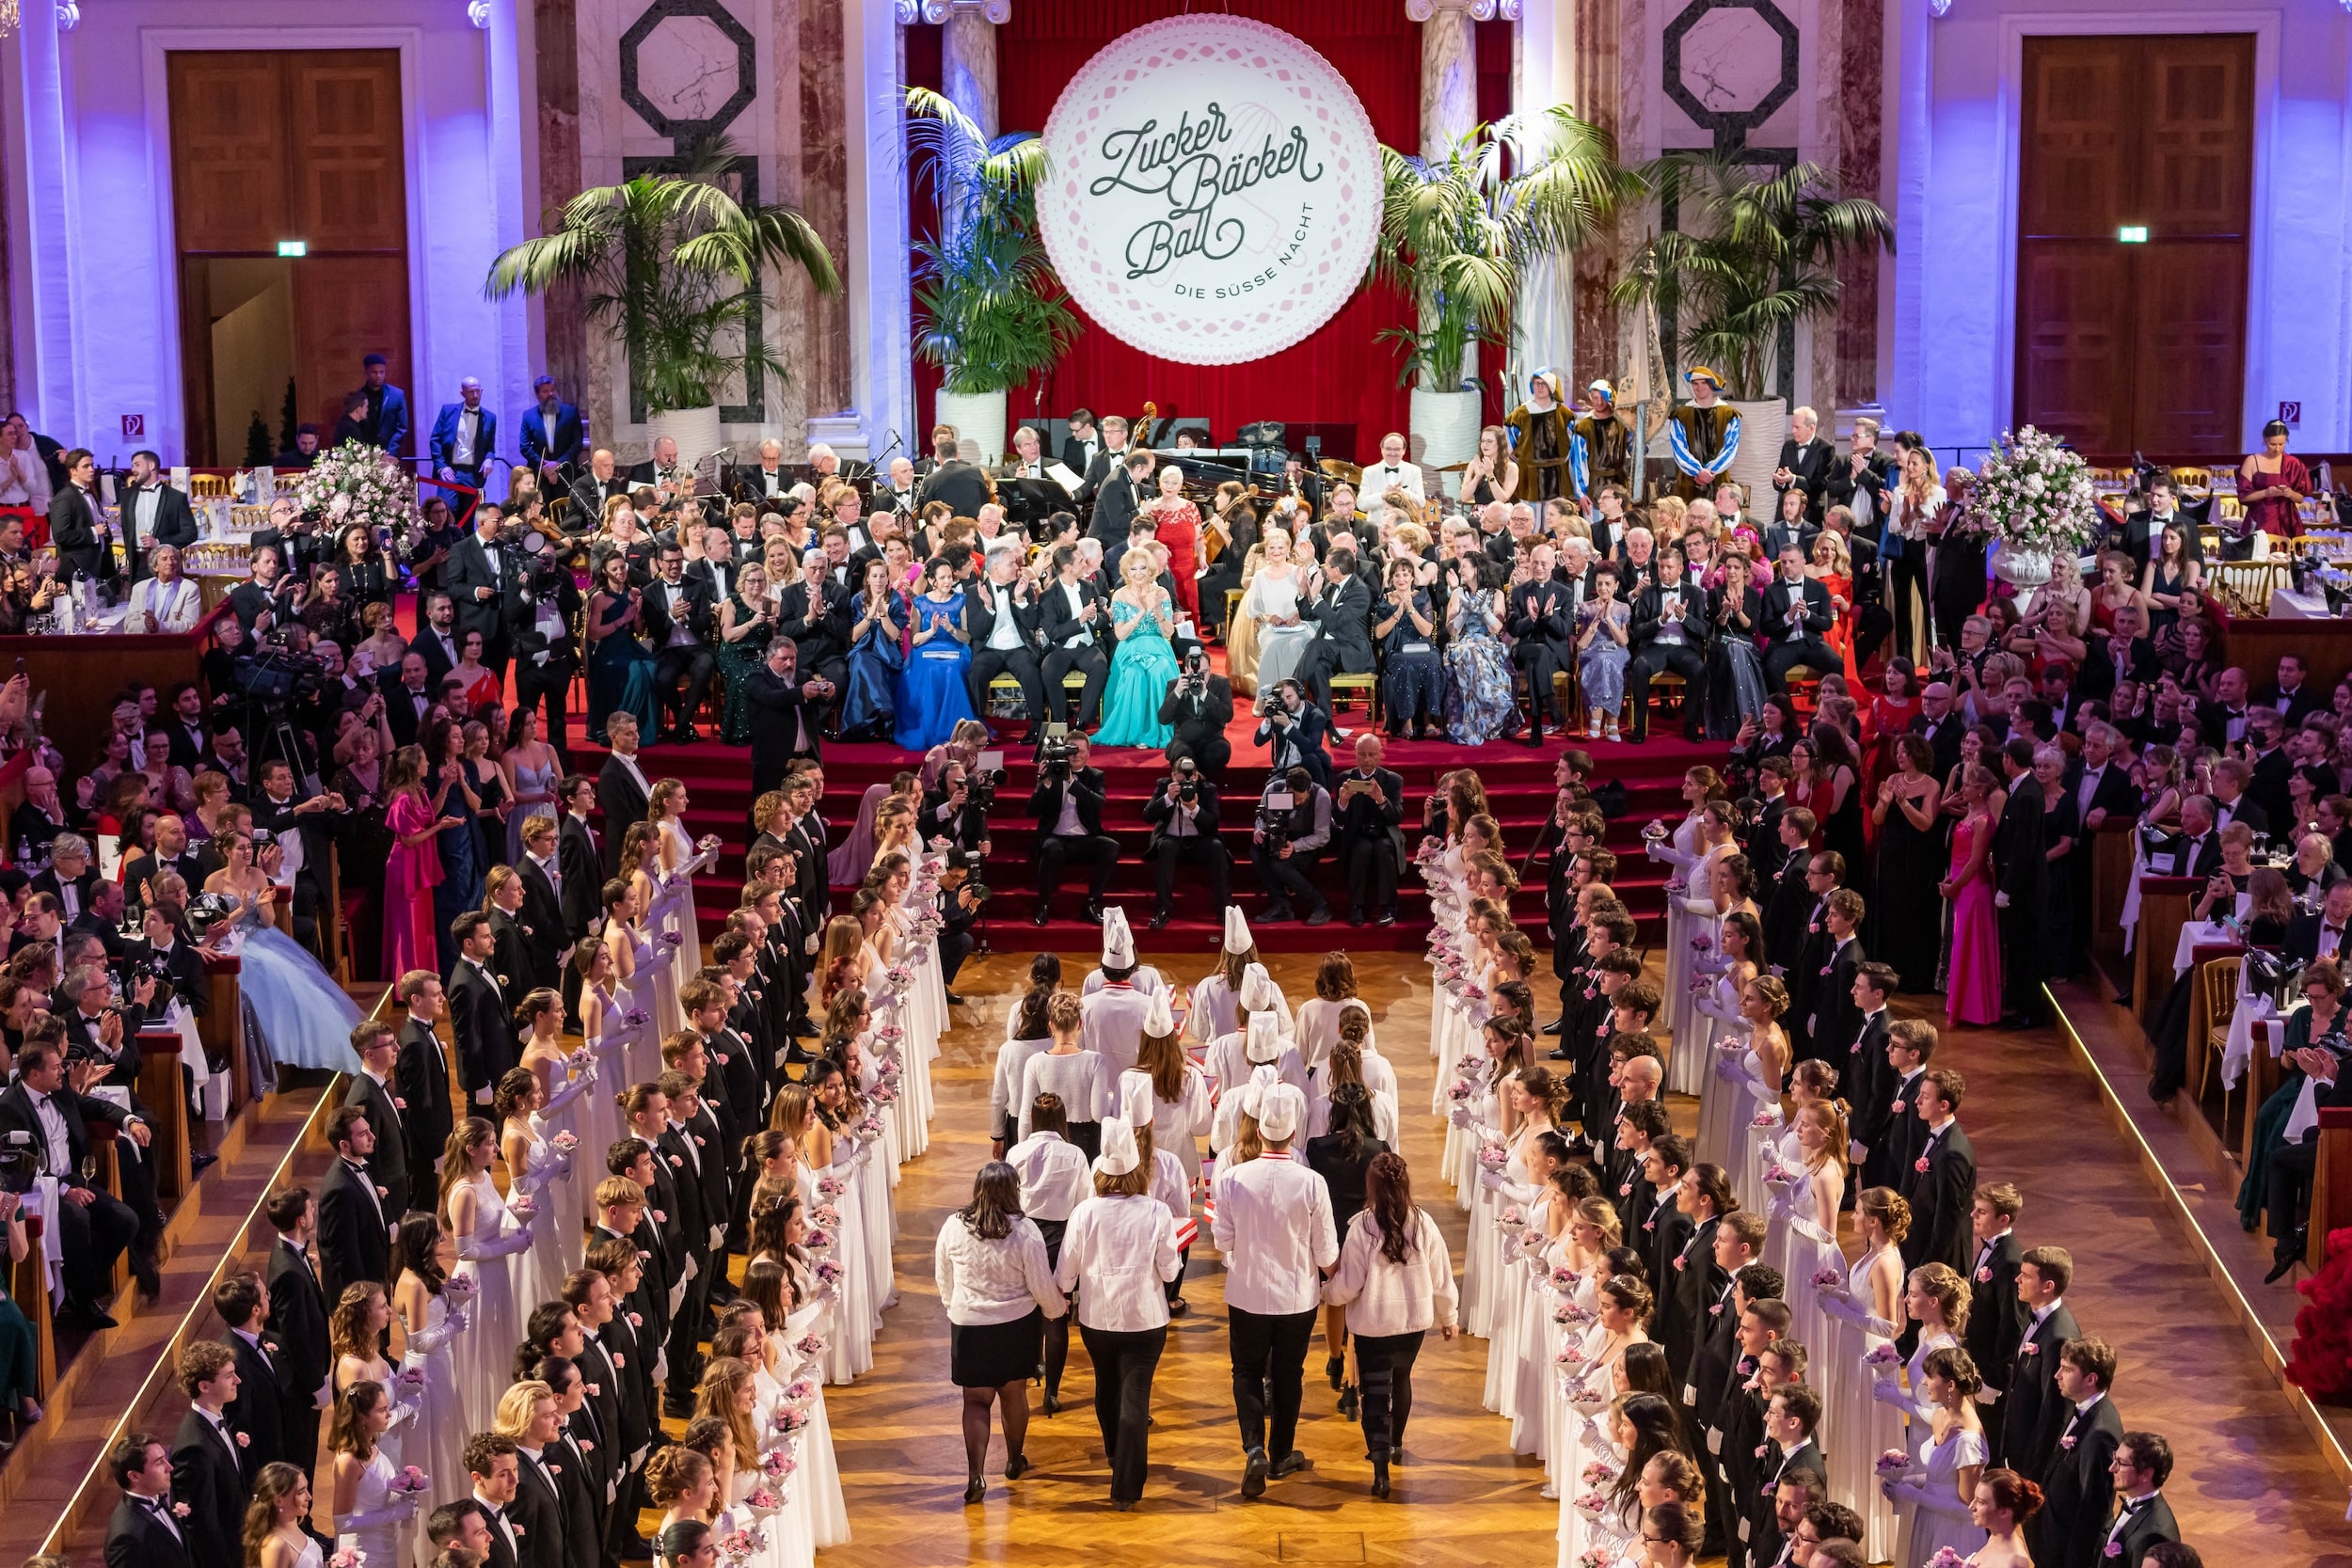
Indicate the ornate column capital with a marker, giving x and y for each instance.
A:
(1480, 11)
(936, 11)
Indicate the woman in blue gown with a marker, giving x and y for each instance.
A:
(931, 691)
(876, 655)
(620, 667)
(463, 868)
(1143, 666)
(294, 1014)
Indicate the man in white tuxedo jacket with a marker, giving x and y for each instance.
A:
(167, 600)
(1391, 473)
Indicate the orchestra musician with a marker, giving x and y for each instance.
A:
(763, 481)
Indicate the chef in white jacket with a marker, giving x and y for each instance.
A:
(1121, 1244)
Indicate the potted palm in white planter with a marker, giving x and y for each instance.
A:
(675, 269)
(1457, 236)
(1755, 254)
(989, 310)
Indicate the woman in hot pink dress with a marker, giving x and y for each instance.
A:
(1971, 982)
(414, 868)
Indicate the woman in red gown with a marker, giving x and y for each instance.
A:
(1178, 523)
(415, 866)
(2272, 485)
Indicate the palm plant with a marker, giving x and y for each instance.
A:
(1757, 254)
(1457, 234)
(992, 313)
(675, 268)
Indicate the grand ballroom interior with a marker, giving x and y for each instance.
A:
(1580, 760)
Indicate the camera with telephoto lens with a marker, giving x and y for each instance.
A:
(1187, 780)
(979, 788)
(18, 1165)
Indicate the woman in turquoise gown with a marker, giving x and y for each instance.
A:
(932, 693)
(620, 667)
(1144, 665)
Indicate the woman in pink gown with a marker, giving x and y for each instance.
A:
(1972, 983)
(414, 868)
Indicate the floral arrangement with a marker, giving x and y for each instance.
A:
(1763, 1118)
(869, 1128)
(800, 1391)
(1461, 1091)
(899, 977)
(1597, 1556)
(741, 1546)
(1565, 1278)
(818, 1241)
(460, 1285)
(1571, 1356)
(1511, 1216)
(828, 1186)
(636, 1018)
(1429, 852)
(411, 1378)
(1828, 1279)
(1885, 1358)
(1600, 1473)
(1894, 1462)
(1493, 1156)
(808, 1345)
(357, 483)
(1946, 1557)
(763, 1501)
(828, 1271)
(565, 1143)
(2033, 494)
(672, 939)
(892, 1032)
(350, 1557)
(827, 1215)
(412, 1480)
(788, 1418)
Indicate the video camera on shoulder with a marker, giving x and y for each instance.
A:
(1054, 753)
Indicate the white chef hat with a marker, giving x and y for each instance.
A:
(1280, 1109)
(1257, 987)
(1236, 930)
(1263, 1042)
(1134, 1098)
(1159, 1020)
(1119, 942)
(1120, 1154)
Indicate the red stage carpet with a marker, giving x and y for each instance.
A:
(1517, 780)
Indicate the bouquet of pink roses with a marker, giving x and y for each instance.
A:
(818, 1241)
(801, 1390)
(565, 1143)
(636, 1018)
(1884, 1359)
(1461, 1091)
(350, 1557)
(1511, 1216)
(828, 1272)
(460, 1285)
(1565, 1278)
(1763, 1118)
(826, 1215)
(739, 1546)
(412, 1480)
(1600, 1473)
(1571, 1356)
(1894, 1462)
(1493, 1156)
(899, 977)
(828, 1186)
(809, 1344)
(672, 939)
(1592, 1504)
(1946, 1557)
(1829, 1279)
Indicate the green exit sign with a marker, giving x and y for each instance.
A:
(2131, 233)
(302, 247)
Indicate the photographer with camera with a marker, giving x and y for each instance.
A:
(539, 628)
(1369, 811)
(44, 1131)
(1006, 636)
(1294, 728)
(1199, 704)
(271, 598)
(304, 830)
(956, 807)
(1293, 824)
(1183, 813)
(1068, 807)
(960, 895)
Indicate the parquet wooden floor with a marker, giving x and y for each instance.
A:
(2248, 1476)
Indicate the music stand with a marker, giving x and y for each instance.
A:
(1028, 502)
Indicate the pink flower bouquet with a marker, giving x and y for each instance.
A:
(1600, 1473)
(809, 1344)
(1493, 1156)
(818, 1241)
(672, 939)
(741, 1546)
(827, 1270)
(828, 1186)
(1884, 1359)
(1512, 1217)
(1829, 1279)
(1894, 1462)
(413, 1480)
(350, 1557)
(801, 1390)
(1461, 1091)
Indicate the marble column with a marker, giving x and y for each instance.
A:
(1599, 95)
(555, 33)
(823, 371)
(1448, 72)
(967, 59)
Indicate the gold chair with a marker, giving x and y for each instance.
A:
(208, 487)
(2220, 980)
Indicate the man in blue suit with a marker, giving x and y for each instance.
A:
(464, 437)
(385, 421)
(553, 435)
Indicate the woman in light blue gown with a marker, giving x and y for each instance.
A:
(932, 695)
(1143, 666)
(296, 1014)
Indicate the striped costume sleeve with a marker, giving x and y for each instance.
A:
(1683, 459)
(1580, 466)
(1731, 445)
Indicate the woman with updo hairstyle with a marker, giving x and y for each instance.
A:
(1949, 1452)
(1749, 1071)
(840, 959)
(489, 1236)
(1078, 1075)
(1999, 1506)
(1592, 1362)
(1672, 1534)
(273, 1534)
(683, 1485)
(538, 1190)
(355, 1334)
(1865, 1315)
(1026, 1033)
(688, 1544)
(1641, 1426)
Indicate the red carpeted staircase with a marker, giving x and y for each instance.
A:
(1518, 786)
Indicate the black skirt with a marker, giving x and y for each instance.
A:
(988, 1356)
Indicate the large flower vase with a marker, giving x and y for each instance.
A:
(2019, 566)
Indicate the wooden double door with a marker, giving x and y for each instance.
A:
(270, 146)
(2135, 176)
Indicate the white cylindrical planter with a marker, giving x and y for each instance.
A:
(1763, 426)
(977, 417)
(1447, 423)
(2019, 566)
(694, 430)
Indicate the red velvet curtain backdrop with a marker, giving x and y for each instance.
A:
(1341, 375)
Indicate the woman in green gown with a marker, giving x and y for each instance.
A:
(745, 626)
(1143, 666)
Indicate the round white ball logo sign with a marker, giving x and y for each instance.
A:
(1214, 191)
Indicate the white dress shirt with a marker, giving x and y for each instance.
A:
(1274, 1227)
(1382, 1297)
(994, 1282)
(1055, 1176)
(1125, 1248)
